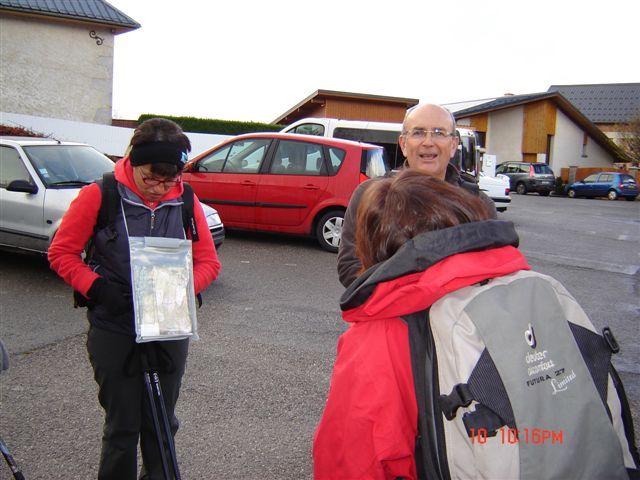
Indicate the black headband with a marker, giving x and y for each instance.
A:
(158, 152)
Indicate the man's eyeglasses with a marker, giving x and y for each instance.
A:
(421, 133)
(153, 182)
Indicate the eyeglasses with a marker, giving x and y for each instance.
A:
(421, 134)
(153, 182)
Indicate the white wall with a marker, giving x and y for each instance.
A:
(504, 135)
(55, 69)
(567, 147)
(105, 138)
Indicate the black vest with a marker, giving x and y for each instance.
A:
(110, 258)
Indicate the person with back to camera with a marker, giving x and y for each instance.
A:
(427, 251)
(428, 141)
(150, 187)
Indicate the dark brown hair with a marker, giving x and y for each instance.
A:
(395, 209)
(161, 130)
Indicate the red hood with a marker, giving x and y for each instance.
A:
(417, 291)
(124, 174)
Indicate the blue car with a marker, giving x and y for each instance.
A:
(605, 184)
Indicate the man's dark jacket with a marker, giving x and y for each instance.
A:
(348, 262)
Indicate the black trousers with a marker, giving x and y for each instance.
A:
(122, 394)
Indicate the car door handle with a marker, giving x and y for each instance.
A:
(311, 186)
(248, 183)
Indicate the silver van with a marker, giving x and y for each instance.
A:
(527, 177)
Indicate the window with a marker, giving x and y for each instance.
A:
(605, 178)
(64, 164)
(501, 168)
(214, 162)
(298, 158)
(542, 169)
(11, 167)
(375, 163)
(591, 178)
(310, 129)
(245, 156)
(336, 157)
(627, 179)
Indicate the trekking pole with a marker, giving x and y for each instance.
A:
(4, 365)
(165, 421)
(13, 466)
(154, 412)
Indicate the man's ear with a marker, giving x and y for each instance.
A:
(454, 145)
(402, 141)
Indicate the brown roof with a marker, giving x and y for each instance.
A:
(320, 95)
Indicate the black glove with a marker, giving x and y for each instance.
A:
(109, 295)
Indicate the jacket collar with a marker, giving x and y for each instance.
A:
(427, 250)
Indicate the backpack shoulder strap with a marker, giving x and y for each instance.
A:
(110, 200)
(188, 219)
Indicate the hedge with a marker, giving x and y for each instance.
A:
(208, 125)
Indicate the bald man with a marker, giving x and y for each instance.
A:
(428, 141)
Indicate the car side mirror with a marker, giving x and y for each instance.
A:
(22, 186)
(190, 167)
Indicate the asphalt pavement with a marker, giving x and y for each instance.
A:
(257, 379)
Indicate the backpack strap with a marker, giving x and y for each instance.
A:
(188, 219)
(110, 199)
(430, 448)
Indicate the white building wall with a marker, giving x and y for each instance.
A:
(567, 147)
(504, 134)
(105, 138)
(53, 69)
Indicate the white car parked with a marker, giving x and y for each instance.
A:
(497, 188)
(39, 177)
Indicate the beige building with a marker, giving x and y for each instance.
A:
(539, 127)
(56, 58)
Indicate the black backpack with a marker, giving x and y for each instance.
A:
(109, 210)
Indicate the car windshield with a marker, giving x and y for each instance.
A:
(71, 165)
(374, 163)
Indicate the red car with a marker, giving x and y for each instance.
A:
(285, 183)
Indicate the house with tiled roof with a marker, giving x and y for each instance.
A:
(540, 127)
(56, 58)
(607, 105)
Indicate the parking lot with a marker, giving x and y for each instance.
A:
(257, 380)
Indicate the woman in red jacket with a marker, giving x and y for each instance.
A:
(150, 190)
(418, 238)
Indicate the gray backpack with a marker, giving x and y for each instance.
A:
(513, 382)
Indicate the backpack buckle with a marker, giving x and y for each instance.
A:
(460, 396)
(610, 339)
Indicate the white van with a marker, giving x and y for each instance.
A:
(386, 135)
(378, 133)
(466, 159)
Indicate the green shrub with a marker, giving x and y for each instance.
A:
(221, 127)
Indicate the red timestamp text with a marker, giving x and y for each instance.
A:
(534, 436)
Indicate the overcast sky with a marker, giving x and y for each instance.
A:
(254, 60)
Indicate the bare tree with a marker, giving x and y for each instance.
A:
(629, 140)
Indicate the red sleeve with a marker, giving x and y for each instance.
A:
(69, 241)
(206, 265)
(369, 424)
